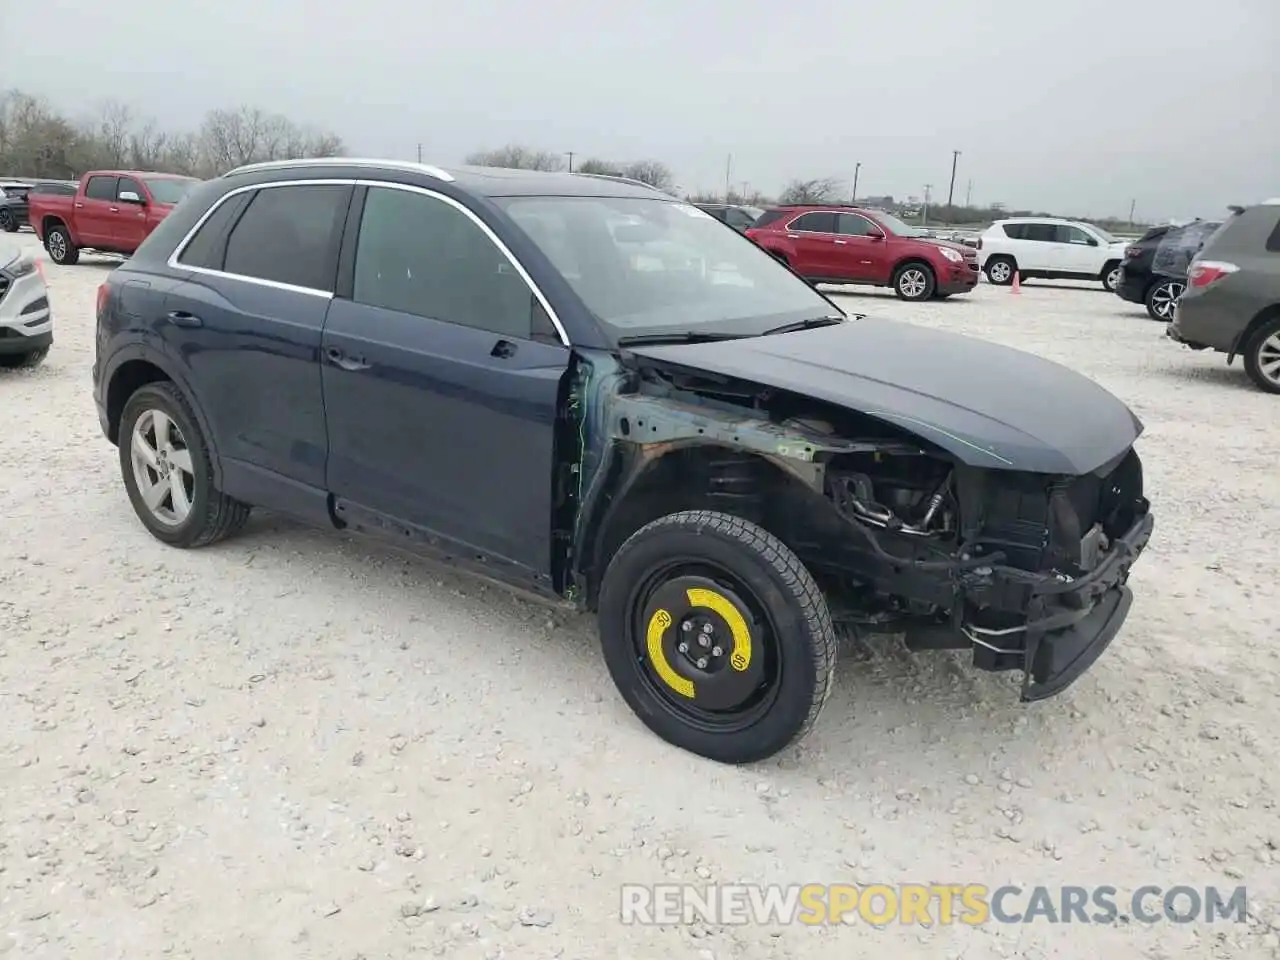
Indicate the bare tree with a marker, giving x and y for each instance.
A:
(112, 134)
(600, 167)
(517, 157)
(823, 190)
(652, 172)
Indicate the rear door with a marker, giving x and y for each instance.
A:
(813, 238)
(1036, 248)
(441, 378)
(95, 212)
(247, 323)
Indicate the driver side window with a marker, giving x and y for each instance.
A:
(421, 255)
(1074, 235)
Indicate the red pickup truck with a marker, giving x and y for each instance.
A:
(112, 211)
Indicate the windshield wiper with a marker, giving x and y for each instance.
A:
(809, 324)
(684, 336)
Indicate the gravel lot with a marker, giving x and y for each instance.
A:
(301, 745)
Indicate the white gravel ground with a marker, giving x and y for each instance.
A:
(299, 745)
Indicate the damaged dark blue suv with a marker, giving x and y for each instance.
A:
(594, 392)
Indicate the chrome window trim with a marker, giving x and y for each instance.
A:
(813, 233)
(428, 169)
(173, 263)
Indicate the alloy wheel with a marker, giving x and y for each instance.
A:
(1164, 298)
(1269, 358)
(1000, 272)
(57, 247)
(162, 467)
(6, 220)
(913, 283)
(1113, 279)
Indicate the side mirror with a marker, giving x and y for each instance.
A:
(128, 196)
(875, 236)
(1093, 242)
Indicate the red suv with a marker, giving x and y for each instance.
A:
(830, 243)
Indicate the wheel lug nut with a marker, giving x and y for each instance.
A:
(686, 626)
(702, 663)
(716, 651)
(683, 648)
(707, 628)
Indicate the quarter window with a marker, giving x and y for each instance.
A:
(290, 235)
(814, 222)
(100, 188)
(420, 255)
(1015, 231)
(209, 245)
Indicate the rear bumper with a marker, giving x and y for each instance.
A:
(1200, 324)
(1069, 623)
(12, 342)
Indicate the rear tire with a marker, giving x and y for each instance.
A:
(8, 222)
(914, 282)
(1162, 298)
(62, 249)
(1000, 270)
(1110, 276)
(738, 701)
(1262, 356)
(205, 515)
(23, 361)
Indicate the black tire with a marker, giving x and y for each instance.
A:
(213, 515)
(1004, 279)
(1162, 297)
(771, 687)
(1110, 276)
(23, 361)
(67, 253)
(1264, 346)
(8, 222)
(908, 276)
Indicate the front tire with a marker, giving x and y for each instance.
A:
(168, 472)
(1262, 356)
(1162, 298)
(716, 636)
(8, 222)
(23, 361)
(62, 249)
(1000, 270)
(914, 282)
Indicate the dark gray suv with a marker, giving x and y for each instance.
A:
(1232, 299)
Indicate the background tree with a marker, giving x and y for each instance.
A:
(825, 190)
(517, 157)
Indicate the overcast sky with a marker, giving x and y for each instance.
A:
(1078, 106)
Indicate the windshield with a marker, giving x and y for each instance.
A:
(647, 267)
(898, 228)
(170, 189)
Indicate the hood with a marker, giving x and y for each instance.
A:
(988, 405)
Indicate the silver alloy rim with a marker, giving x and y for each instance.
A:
(4, 220)
(1269, 358)
(1113, 279)
(162, 467)
(57, 246)
(1000, 271)
(912, 283)
(1164, 299)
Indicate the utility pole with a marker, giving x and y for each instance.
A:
(951, 191)
(924, 217)
(1132, 205)
(968, 194)
(419, 153)
(856, 168)
(569, 154)
(728, 172)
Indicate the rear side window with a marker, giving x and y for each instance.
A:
(209, 245)
(100, 188)
(1015, 231)
(768, 217)
(815, 222)
(290, 235)
(420, 255)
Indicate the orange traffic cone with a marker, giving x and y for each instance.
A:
(1017, 283)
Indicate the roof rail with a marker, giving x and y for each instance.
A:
(344, 162)
(822, 203)
(610, 176)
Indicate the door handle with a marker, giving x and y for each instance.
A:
(180, 318)
(503, 349)
(842, 242)
(337, 357)
(115, 209)
(79, 204)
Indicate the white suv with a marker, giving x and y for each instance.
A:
(1050, 249)
(26, 325)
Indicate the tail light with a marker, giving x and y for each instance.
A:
(1132, 253)
(1205, 273)
(102, 300)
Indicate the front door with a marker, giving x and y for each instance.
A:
(441, 379)
(866, 249)
(129, 228)
(95, 215)
(1076, 251)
